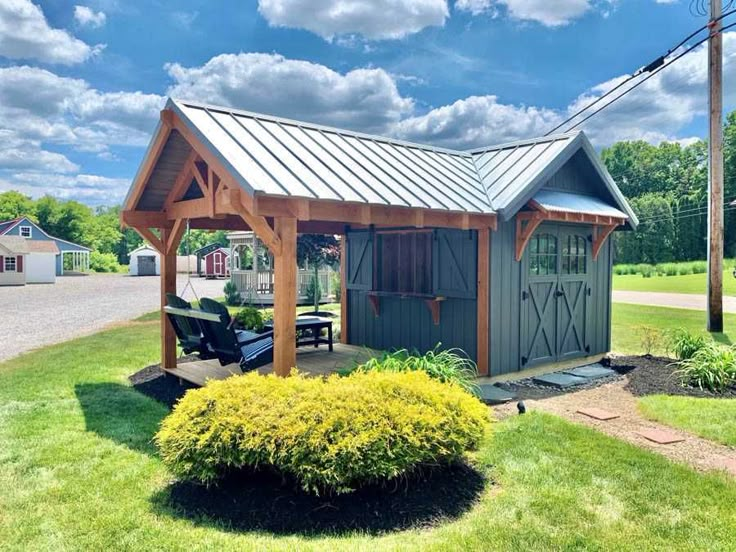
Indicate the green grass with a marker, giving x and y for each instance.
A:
(690, 283)
(713, 419)
(626, 334)
(78, 472)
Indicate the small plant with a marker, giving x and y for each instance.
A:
(646, 270)
(232, 295)
(712, 367)
(699, 267)
(684, 344)
(250, 318)
(650, 338)
(450, 365)
(330, 434)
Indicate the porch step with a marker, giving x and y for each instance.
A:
(489, 393)
(561, 380)
(591, 371)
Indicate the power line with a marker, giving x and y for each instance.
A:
(652, 68)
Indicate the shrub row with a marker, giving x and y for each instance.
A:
(662, 269)
(330, 435)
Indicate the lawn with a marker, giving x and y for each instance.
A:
(629, 322)
(78, 472)
(688, 283)
(713, 419)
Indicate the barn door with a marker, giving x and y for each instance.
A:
(454, 263)
(539, 300)
(573, 292)
(360, 261)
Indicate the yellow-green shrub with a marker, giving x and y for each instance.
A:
(331, 434)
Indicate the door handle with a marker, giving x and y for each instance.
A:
(559, 293)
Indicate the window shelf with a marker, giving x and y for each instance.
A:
(433, 302)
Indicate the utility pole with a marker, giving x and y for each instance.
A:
(715, 170)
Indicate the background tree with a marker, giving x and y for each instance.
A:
(317, 250)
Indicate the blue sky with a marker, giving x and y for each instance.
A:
(81, 83)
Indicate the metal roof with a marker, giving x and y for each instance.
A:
(576, 203)
(284, 157)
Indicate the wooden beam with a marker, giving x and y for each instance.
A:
(344, 289)
(259, 224)
(600, 233)
(213, 182)
(182, 182)
(191, 208)
(174, 238)
(151, 238)
(483, 301)
(168, 285)
(284, 308)
(157, 147)
(525, 227)
(145, 219)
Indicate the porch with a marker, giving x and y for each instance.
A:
(309, 360)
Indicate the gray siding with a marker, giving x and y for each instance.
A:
(505, 301)
(579, 176)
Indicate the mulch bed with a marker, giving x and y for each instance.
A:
(153, 382)
(264, 502)
(650, 375)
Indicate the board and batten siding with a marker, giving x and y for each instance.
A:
(406, 322)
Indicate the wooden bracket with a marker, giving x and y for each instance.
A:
(258, 224)
(182, 182)
(600, 233)
(375, 304)
(174, 238)
(524, 231)
(151, 238)
(434, 308)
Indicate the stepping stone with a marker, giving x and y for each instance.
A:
(727, 464)
(559, 380)
(492, 394)
(598, 414)
(660, 436)
(591, 371)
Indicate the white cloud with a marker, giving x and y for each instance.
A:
(549, 13)
(25, 34)
(87, 17)
(371, 19)
(365, 99)
(87, 188)
(657, 110)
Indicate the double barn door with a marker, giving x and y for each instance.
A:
(555, 295)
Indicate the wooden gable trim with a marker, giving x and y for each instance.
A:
(150, 162)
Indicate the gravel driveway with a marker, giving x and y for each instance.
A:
(42, 314)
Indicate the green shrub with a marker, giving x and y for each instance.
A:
(313, 291)
(683, 269)
(712, 367)
(650, 338)
(335, 283)
(685, 344)
(104, 262)
(450, 365)
(250, 318)
(232, 295)
(646, 270)
(667, 269)
(699, 267)
(330, 434)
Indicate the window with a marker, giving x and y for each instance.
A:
(25, 231)
(543, 255)
(10, 264)
(573, 255)
(405, 262)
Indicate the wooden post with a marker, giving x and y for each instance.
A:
(284, 301)
(168, 285)
(344, 289)
(715, 170)
(483, 295)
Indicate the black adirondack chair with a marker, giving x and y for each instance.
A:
(188, 329)
(249, 349)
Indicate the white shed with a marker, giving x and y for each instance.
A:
(13, 256)
(41, 262)
(145, 261)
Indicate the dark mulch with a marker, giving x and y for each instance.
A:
(153, 382)
(264, 502)
(650, 375)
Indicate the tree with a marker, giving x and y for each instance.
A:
(317, 250)
(15, 204)
(653, 241)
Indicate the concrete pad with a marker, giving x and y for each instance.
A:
(492, 394)
(560, 380)
(591, 371)
(660, 436)
(598, 414)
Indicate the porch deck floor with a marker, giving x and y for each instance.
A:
(310, 360)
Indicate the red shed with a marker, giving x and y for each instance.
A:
(217, 263)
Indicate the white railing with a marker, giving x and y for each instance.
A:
(261, 283)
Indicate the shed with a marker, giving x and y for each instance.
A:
(500, 251)
(216, 263)
(41, 265)
(13, 253)
(145, 261)
(201, 252)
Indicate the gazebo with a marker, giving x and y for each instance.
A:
(423, 229)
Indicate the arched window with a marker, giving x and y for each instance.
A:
(543, 255)
(574, 249)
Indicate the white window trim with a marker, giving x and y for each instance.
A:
(30, 231)
(15, 263)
